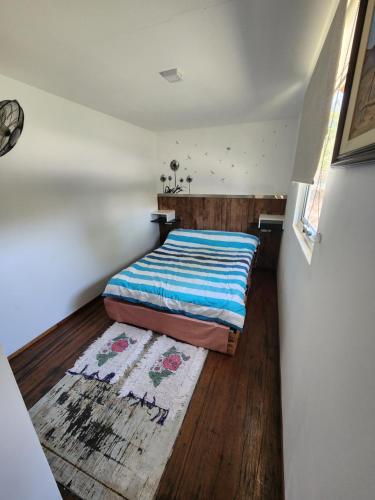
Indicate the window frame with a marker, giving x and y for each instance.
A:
(309, 231)
(305, 230)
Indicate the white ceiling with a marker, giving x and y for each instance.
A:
(242, 60)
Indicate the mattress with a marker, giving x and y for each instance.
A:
(199, 274)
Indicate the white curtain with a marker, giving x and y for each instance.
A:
(317, 102)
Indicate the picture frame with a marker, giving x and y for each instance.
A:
(355, 139)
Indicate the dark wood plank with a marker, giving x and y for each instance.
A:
(237, 214)
(182, 207)
(273, 206)
(206, 213)
(222, 213)
(229, 446)
(269, 248)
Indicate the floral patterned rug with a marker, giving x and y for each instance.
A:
(109, 426)
(165, 375)
(112, 353)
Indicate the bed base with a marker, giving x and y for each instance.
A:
(205, 334)
(209, 335)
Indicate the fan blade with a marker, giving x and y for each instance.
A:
(14, 137)
(4, 130)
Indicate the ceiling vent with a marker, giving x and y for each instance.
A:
(171, 75)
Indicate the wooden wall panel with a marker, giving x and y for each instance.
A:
(274, 206)
(223, 213)
(237, 213)
(206, 213)
(182, 207)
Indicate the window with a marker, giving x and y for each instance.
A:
(312, 195)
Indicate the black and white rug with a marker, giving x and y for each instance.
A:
(109, 426)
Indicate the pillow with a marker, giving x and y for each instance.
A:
(218, 240)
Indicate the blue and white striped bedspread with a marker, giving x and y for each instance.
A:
(201, 274)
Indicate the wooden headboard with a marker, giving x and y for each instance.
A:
(221, 212)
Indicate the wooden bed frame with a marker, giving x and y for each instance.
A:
(207, 334)
(215, 212)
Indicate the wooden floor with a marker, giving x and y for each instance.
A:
(229, 446)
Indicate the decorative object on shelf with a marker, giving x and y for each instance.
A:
(355, 139)
(174, 190)
(11, 125)
(174, 166)
(189, 180)
(162, 180)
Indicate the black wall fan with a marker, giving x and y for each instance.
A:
(11, 125)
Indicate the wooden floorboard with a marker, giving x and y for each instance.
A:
(229, 446)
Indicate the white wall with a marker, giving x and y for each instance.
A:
(24, 470)
(259, 160)
(327, 328)
(76, 192)
(75, 197)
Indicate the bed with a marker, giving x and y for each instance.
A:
(192, 288)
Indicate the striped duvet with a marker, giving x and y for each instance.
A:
(200, 274)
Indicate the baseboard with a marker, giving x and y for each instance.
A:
(50, 330)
